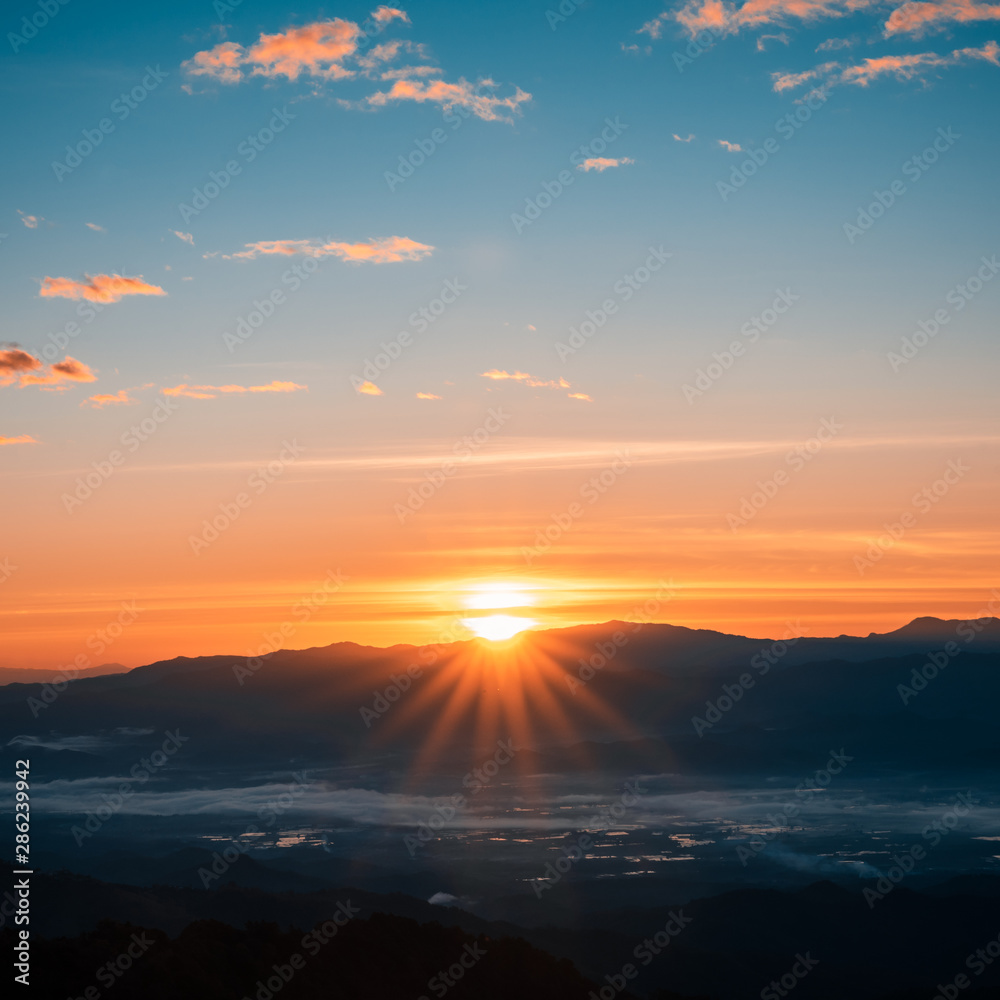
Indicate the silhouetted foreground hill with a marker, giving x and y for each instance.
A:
(379, 958)
(728, 947)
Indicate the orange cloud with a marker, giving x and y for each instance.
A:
(67, 370)
(580, 395)
(99, 288)
(211, 391)
(186, 237)
(101, 400)
(425, 395)
(20, 439)
(14, 362)
(917, 18)
(449, 95)
(906, 67)
(31, 221)
(385, 250)
(384, 14)
(723, 17)
(370, 389)
(730, 147)
(602, 163)
(536, 383)
(318, 49)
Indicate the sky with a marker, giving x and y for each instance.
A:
(335, 323)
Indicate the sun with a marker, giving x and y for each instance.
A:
(504, 600)
(496, 628)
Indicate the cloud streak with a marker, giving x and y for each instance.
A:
(20, 439)
(212, 391)
(104, 288)
(384, 250)
(602, 163)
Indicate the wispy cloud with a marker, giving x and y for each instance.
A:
(498, 375)
(212, 391)
(99, 288)
(30, 221)
(904, 68)
(331, 51)
(427, 395)
(95, 227)
(370, 389)
(602, 163)
(20, 439)
(730, 147)
(119, 398)
(186, 237)
(679, 139)
(935, 15)
(384, 250)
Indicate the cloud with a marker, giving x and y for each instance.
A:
(723, 17)
(211, 391)
(25, 369)
(99, 288)
(385, 250)
(14, 362)
(730, 147)
(370, 389)
(903, 68)
(832, 44)
(95, 227)
(919, 18)
(580, 395)
(20, 439)
(101, 400)
(450, 95)
(498, 374)
(426, 395)
(332, 50)
(67, 370)
(186, 237)
(30, 221)
(781, 37)
(688, 139)
(602, 163)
